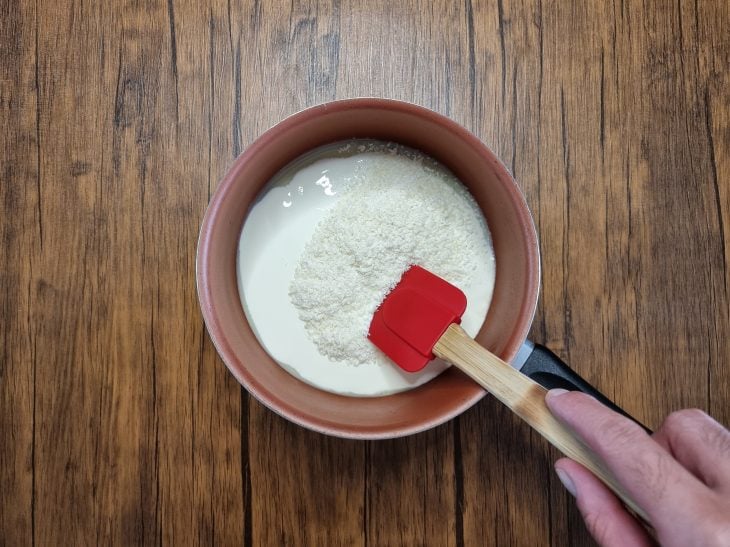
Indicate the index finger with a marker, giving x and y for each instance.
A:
(644, 468)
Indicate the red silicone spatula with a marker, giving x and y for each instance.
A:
(419, 320)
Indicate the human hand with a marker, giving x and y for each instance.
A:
(680, 475)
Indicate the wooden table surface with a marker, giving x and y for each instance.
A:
(119, 423)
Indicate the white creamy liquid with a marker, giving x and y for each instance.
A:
(279, 225)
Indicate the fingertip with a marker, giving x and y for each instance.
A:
(578, 475)
(555, 393)
(606, 518)
(564, 464)
(561, 401)
(565, 479)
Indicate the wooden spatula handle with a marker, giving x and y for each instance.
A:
(525, 398)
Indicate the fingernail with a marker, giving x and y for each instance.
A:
(557, 392)
(566, 480)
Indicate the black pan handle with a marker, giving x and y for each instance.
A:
(548, 370)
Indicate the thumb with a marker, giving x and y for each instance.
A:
(606, 518)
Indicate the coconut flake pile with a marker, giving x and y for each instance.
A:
(400, 208)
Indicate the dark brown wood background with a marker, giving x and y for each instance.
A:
(119, 424)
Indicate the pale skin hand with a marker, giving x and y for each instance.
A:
(680, 475)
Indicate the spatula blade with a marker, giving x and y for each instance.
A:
(413, 317)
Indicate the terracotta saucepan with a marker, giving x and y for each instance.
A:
(515, 293)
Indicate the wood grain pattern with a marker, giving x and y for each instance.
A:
(118, 422)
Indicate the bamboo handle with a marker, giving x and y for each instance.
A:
(525, 398)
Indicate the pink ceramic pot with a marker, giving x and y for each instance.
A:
(504, 207)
